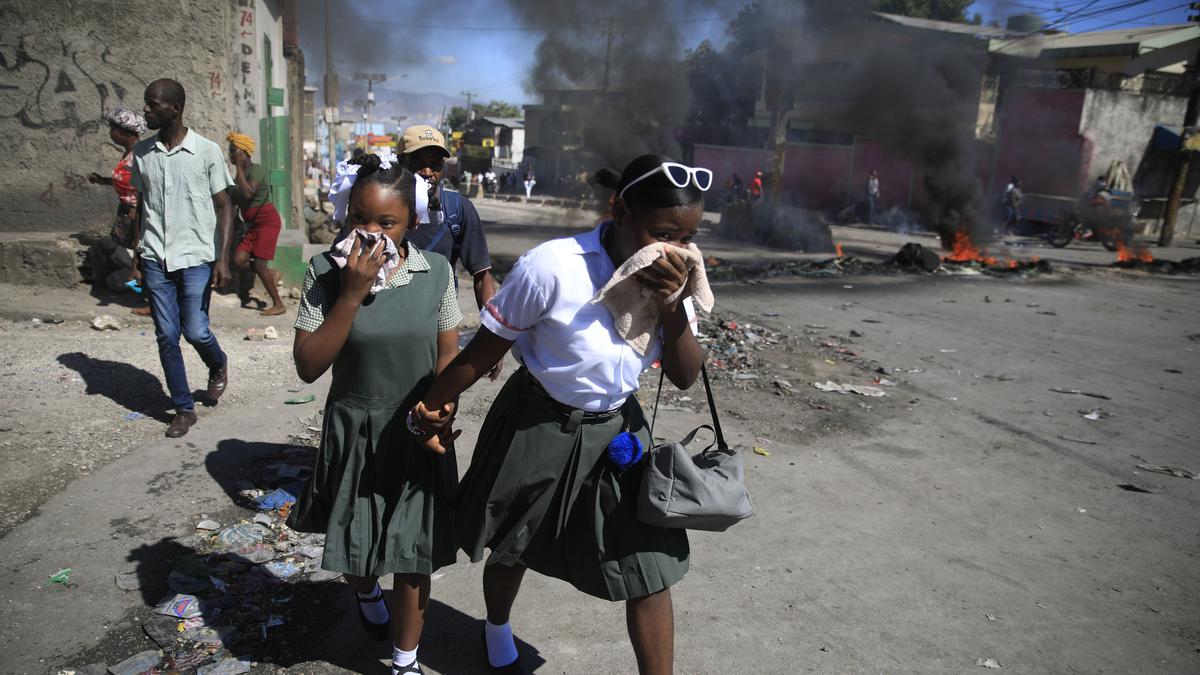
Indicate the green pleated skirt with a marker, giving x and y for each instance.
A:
(383, 502)
(541, 493)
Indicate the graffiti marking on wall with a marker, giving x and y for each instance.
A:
(60, 84)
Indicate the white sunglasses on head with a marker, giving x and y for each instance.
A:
(679, 175)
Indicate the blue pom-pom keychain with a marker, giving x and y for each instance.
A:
(624, 450)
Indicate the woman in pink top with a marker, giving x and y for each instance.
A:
(125, 128)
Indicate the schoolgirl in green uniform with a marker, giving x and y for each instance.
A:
(386, 323)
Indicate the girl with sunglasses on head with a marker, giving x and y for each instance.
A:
(542, 492)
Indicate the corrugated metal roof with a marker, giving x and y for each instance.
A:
(983, 32)
(510, 122)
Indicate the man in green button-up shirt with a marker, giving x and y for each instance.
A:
(181, 177)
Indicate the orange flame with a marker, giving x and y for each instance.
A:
(838, 249)
(1126, 254)
(964, 250)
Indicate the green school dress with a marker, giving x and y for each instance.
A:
(382, 500)
(541, 493)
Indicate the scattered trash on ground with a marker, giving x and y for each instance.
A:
(270, 333)
(762, 451)
(1169, 470)
(128, 582)
(137, 664)
(1096, 414)
(1079, 392)
(276, 499)
(301, 399)
(133, 416)
(105, 322)
(63, 576)
(988, 663)
(862, 390)
(1076, 440)
(208, 524)
(1135, 487)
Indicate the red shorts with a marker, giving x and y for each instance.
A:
(263, 234)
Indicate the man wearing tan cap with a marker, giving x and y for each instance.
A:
(453, 229)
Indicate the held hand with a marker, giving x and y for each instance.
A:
(362, 267)
(494, 373)
(665, 276)
(434, 428)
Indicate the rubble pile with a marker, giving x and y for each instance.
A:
(733, 348)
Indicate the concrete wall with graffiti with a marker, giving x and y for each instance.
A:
(63, 64)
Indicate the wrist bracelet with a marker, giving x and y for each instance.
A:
(411, 422)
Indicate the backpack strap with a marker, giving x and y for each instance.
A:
(452, 211)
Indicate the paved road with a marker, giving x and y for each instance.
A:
(971, 514)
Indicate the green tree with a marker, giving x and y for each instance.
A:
(939, 10)
(457, 119)
(496, 108)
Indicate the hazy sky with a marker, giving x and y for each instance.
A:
(476, 45)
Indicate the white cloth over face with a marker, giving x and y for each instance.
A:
(391, 256)
(565, 340)
(634, 308)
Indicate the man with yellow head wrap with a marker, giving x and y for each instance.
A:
(253, 196)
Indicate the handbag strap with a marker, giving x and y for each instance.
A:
(722, 446)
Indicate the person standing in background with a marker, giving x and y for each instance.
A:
(872, 196)
(253, 196)
(125, 128)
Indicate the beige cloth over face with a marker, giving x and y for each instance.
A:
(634, 309)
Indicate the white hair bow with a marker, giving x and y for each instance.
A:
(347, 173)
(343, 181)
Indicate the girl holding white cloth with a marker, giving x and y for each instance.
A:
(542, 492)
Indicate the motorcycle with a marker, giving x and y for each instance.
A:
(1107, 218)
(1074, 229)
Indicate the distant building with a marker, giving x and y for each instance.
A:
(496, 143)
(554, 132)
(1054, 109)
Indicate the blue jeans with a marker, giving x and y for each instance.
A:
(871, 209)
(179, 305)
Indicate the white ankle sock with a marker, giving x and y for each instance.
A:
(500, 646)
(375, 611)
(402, 659)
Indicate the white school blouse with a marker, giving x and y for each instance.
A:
(566, 342)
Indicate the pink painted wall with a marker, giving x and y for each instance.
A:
(895, 173)
(1040, 142)
(817, 176)
(726, 161)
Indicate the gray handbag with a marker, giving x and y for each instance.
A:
(704, 491)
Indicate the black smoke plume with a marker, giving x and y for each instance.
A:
(630, 49)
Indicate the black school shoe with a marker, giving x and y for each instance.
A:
(513, 668)
(376, 631)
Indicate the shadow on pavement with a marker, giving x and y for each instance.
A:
(452, 641)
(126, 385)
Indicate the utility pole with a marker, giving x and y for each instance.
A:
(331, 93)
(470, 112)
(1184, 159)
(608, 39)
(370, 79)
